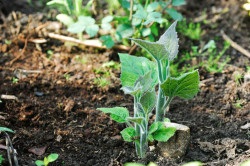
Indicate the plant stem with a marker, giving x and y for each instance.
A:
(137, 127)
(161, 99)
(141, 130)
(146, 4)
(143, 143)
(160, 111)
(80, 37)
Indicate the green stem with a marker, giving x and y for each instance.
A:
(146, 4)
(142, 145)
(80, 36)
(160, 111)
(159, 67)
(163, 74)
(137, 127)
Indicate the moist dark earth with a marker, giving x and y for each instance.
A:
(57, 96)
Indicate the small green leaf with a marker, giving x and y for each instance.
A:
(118, 114)
(152, 6)
(153, 17)
(174, 14)
(39, 163)
(128, 134)
(92, 30)
(186, 86)
(163, 134)
(136, 21)
(140, 13)
(84, 23)
(6, 129)
(148, 101)
(146, 32)
(107, 19)
(154, 127)
(106, 23)
(124, 31)
(125, 3)
(46, 161)
(53, 157)
(107, 41)
(178, 2)
(65, 19)
(106, 26)
(137, 120)
(76, 27)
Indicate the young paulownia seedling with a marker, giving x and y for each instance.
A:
(139, 78)
(45, 162)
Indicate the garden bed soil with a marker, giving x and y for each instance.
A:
(58, 94)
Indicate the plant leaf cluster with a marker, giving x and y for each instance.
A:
(137, 19)
(139, 78)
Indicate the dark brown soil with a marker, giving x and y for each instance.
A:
(58, 94)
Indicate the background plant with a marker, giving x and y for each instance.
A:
(139, 77)
(142, 18)
(190, 29)
(78, 17)
(208, 57)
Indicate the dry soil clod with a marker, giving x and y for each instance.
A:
(177, 145)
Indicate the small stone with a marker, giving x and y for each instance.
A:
(176, 146)
(247, 77)
(151, 148)
(246, 126)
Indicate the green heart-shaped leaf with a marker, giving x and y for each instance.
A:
(186, 86)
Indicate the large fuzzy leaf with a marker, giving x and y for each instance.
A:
(186, 86)
(157, 50)
(170, 41)
(128, 134)
(132, 68)
(165, 48)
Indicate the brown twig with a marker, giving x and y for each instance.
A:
(22, 52)
(132, 49)
(235, 45)
(91, 43)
